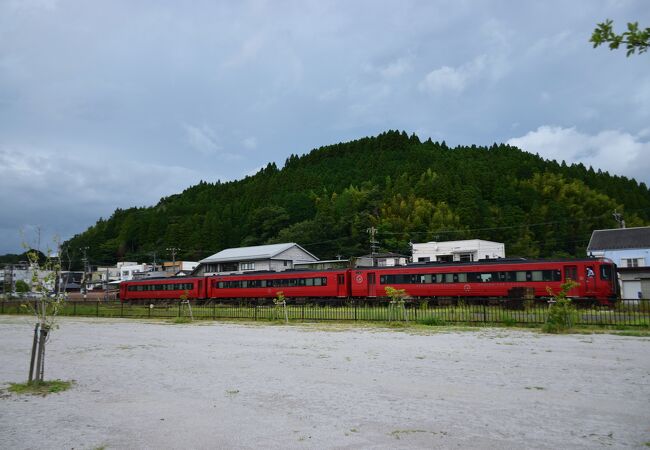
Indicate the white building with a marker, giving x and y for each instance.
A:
(461, 251)
(274, 257)
(128, 270)
(629, 248)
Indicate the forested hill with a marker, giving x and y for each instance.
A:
(409, 190)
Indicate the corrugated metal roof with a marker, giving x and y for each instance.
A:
(619, 238)
(252, 253)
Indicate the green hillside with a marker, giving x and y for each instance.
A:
(409, 190)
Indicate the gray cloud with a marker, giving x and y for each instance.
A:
(130, 101)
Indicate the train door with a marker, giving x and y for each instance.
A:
(372, 285)
(199, 292)
(590, 279)
(341, 286)
(571, 273)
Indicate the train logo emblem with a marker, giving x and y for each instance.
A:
(358, 279)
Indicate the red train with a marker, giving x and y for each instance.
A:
(596, 280)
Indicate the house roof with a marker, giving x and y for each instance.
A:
(620, 238)
(253, 253)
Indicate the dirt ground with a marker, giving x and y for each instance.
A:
(227, 385)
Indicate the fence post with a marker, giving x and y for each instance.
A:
(74, 308)
(121, 309)
(302, 312)
(214, 311)
(255, 315)
(356, 305)
(485, 310)
(179, 309)
(97, 308)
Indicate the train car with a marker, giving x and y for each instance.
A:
(163, 289)
(323, 284)
(596, 279)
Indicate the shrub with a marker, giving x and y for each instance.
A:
(562, 313)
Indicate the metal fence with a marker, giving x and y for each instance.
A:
(477, 311)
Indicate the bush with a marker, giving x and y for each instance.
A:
(562, 313)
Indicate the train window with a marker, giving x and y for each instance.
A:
(382, 279)
(309, 282)
(426, 279)
(462, 278)
(317, 281)
(529, 276)
(324, 281)
(486, 277)
(520, 275)
(536, 275)
(454, 277)
(435, 278)
(340, 279)
(606, 272)
(449, 278)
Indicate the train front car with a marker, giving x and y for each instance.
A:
(308, 285)
(491, 279)
(156, 289)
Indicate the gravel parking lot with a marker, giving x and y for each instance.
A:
(228, 385)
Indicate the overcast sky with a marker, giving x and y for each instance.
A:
(108, 104)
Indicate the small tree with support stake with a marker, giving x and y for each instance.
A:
(280, 301)
(49, 301)
(397, 302)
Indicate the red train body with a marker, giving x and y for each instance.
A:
(163, 289)
(596, 280)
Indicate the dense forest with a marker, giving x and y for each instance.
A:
(410, 191)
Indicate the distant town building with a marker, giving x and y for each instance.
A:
(461, 251)
(382, 260)
(24, 272)
(128, 271)
(174, 267)
(629, 248)
(273, 257)
(323, 264)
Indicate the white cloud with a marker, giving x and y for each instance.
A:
(446, 79)
(67, 193)
(202, 138)
(250, 143)
(613, 151)
(396, 68)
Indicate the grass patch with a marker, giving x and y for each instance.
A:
(433, 321)
(182, 320)
(41, 388)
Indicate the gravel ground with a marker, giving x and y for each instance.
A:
(223, 385)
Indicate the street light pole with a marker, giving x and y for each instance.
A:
(173, 250)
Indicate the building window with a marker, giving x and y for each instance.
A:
(425, 259)
(247, 266)
(466, 257)
(633, 262)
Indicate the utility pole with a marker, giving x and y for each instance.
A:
(619, 218)
(154, 261)
(372, 232)
(173, 250)
(85, 263)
